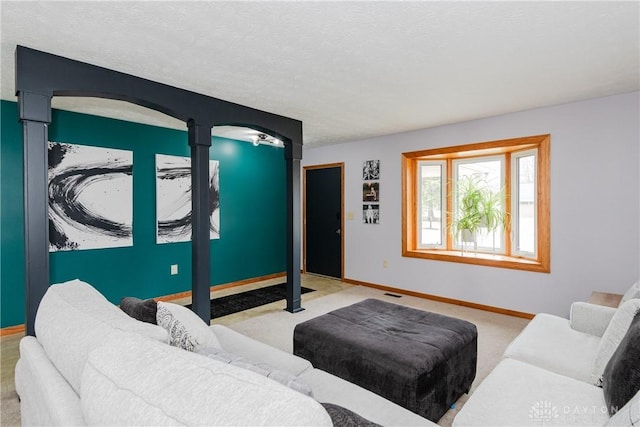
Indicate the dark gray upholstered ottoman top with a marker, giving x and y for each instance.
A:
(423, 361)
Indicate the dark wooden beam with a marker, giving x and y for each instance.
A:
(41, 75)
(200, 141)
(35, 115)
(293, 155)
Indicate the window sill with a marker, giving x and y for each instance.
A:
(490, 260)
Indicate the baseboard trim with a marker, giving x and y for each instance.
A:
(223, 286)
(11, 330)
(442, 299)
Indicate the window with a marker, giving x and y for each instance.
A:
(484, 203)
(524, 201)
(432, 177)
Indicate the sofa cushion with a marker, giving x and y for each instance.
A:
(549, 342)
(135, 381)
(343, 417)
(632, 292)
(591, 319)
(262, 368)
(621, 378)
(518, 394)
(142, 310)
(242, 345)
(186, 330)
(73, 318)
(612, 337)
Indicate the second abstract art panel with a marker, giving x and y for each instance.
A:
(173, 199)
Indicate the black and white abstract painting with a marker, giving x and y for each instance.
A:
(90, 197)
(173, 199)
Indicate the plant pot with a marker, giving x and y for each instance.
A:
(467, 236)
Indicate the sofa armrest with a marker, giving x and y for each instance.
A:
(234, 342)
(46, 398)
(592, 319)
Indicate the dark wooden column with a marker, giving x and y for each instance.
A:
(293, 155)
(200, 141)
(35, 115)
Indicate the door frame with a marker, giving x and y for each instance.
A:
(304, 212)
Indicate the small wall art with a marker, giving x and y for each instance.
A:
(371, 213)
(173, 199)
(90, 197)
(371, 192)
(371, 170)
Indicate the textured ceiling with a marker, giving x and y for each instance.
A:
(348, 70)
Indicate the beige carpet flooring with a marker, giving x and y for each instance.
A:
(274, 326)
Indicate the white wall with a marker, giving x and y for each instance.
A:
(595, 207)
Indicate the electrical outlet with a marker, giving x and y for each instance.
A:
(385, 263)
(174, 269)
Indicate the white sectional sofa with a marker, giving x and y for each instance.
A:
(549, 373)
(93, 364)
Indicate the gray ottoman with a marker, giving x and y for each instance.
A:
(420, 360)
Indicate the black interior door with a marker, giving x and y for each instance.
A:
(323, 205)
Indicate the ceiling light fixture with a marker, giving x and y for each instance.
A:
(261, 137)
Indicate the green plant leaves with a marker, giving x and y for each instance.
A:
(478, 207)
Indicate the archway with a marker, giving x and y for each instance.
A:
(41, 76)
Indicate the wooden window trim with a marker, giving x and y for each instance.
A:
(541, 264)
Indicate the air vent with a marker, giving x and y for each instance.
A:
(392, 295)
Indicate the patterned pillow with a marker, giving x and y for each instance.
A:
(186, 329)
(261, 368)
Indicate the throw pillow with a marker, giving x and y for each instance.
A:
(186, 329)
(262, 368)
(621, 378)
(633, 292)
(143, 310)
(612, 336)
(343, 417)
(629, 415)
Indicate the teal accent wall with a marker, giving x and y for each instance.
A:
(252, 213)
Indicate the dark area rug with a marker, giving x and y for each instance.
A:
(250, 299)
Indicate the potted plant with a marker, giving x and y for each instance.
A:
(467, 219)
(493, 215)
(478, 208)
